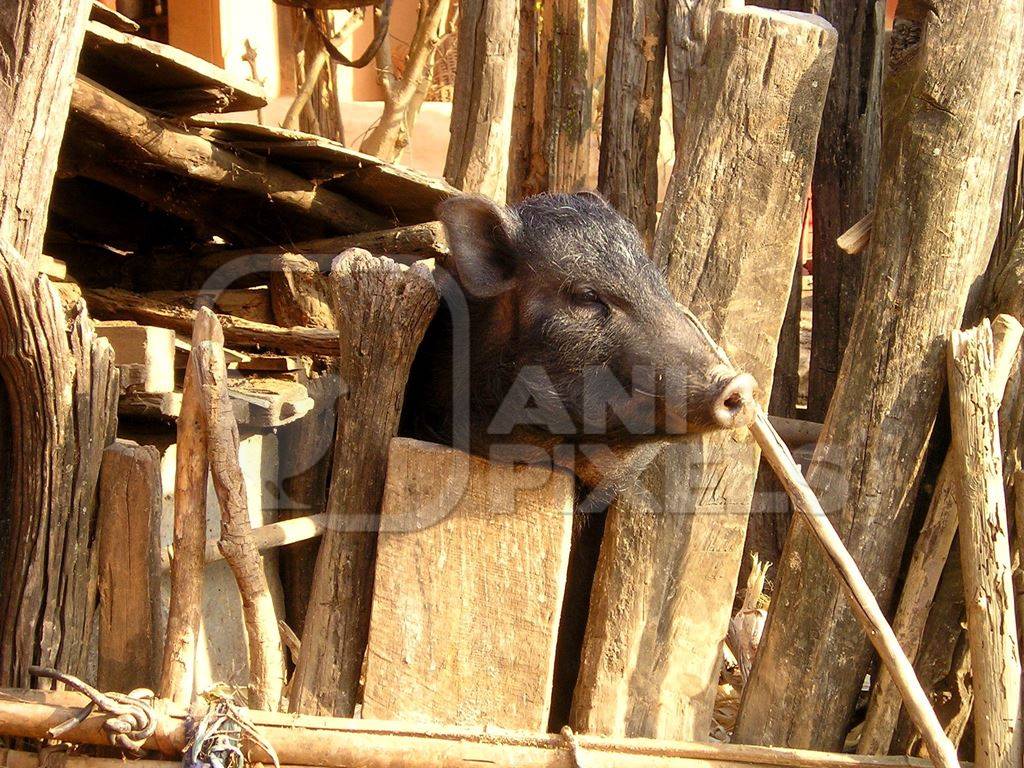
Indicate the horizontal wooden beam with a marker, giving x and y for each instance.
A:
(335, 741)
(265, 537)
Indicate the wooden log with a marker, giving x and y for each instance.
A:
(403, 244)
(39, 42)
(129, 507)
(246, 303)
(928, 560)
(59, 413)
(559, 95)
(177, 669)
(936, 223)
(845, 181)
(481, 124)
(457, 531)
(299, 293)
(630, 131)
(266, 654)
(114, 303)
(384, 307)
(132, 138)
(651, 656)
(520, 146)
(299, 739)
(985, 550)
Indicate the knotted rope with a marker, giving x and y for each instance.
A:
(217, 741)
(130, 720)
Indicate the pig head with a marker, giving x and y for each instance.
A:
(560, 336)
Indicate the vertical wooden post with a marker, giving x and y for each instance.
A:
(652, 650)
(688, 23)
(481, 125)
(384, 309)
(129, 506)
(951, 105)
(631, 126)
(559, 99)
(39, 45)
(985, 550)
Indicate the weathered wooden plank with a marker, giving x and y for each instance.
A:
(471, 564)
(129, 506)
(161, 77)
(144, 353)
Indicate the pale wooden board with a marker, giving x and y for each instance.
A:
(466, 602)
(161, 77)
(144, 353)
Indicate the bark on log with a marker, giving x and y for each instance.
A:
(298, 739)
(177, 669)
(520, 145)
(113, 303)
(130, 496)
(60, 396)
(951, 106)
(266, 654)
(631, 128)
(651, 657)
(135, 139)
(481, 124)
(928, 560)
(985, 550)
(559, 107)
(384, 309)
(39, 44)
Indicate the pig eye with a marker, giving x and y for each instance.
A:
(587, 298)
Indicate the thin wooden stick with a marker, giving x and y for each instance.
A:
(266, 655)
(177, 668)
(333, 741)
(985, 550)
(865, 606)
(931, 551)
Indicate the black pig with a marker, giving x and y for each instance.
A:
(573, 341)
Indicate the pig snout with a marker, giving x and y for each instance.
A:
(734, 406)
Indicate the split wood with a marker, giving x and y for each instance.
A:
(862, 600)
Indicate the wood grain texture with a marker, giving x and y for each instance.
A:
(485, 81)
(471, 565)
(727, 240)
(631, 130)
(949, 107)
(129, 507)
(384, 309)
(299, 293)
(985, 550)
(59, 398)
(39, 45)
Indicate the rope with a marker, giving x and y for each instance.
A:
(217, 742)
(130, 720)
(380, 30)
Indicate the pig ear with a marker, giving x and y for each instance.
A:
(481, 237)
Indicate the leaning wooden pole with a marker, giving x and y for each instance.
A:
(985, 551)
(384, 309)
(177, 670)
(950, 105)
(928, 560)
(266, 654)
(651, 653)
